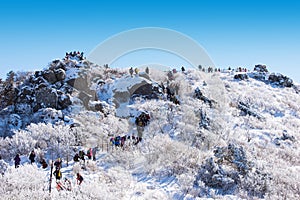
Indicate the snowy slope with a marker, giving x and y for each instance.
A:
(244, 144)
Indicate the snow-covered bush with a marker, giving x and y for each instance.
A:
(25, 182)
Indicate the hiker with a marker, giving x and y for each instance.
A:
(131, 71)
(117, 141)
(58, 163)
(89, 153)
(57, 174)
(32, 156)
(81, 155)
(123, 139)
(17, 160)
(76, 158)
(137, 140)
(44, 163)
(147, 70)
(136, 70)
(94, 153)
(182, 69)
(79, 179)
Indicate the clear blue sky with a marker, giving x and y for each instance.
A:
(234, 33)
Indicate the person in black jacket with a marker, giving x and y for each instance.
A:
(32, 156)
(17, 161)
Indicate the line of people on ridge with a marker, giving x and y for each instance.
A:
(119, 141)
(74, 54)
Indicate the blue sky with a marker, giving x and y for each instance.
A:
(234, 33)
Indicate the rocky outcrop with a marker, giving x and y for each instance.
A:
(199, 95)
(128, 86)
(261, 68)
(49, 75)
(47, 97)
(247, 110)
(241, 76)
(280, 80)
(85, 98)
(204, 120)
(259, 73)
(60, 74)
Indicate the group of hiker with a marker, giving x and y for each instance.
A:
(119, 141)
(58, 165)
(91, 154)
(136, 71)
(66, 184)
(17, 159)
(75, 54)
(141, 121)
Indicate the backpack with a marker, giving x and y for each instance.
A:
(59, 174)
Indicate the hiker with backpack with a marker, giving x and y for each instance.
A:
(58, 163)
(81, 155)
(89, 153)
(94, 153)
(76, 158)
(131, 71)
(79, 179)
(44, 163)
(32, 156)
(17, 161)
(57, 174)
(136, 70)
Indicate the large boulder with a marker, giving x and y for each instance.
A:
(79, 83)
(60, 74)
(64, 100)
(126, 87)
(57, 64)
(47, 98)
(50, 76)
(85, 98)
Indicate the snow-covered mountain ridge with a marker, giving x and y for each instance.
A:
(220, 135)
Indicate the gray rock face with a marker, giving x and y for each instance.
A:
(50, 76)
(79, 83)
(47, 97)
(64, 100)
(247, 110)
(141, 87)
(25, 95)
(85, 98)
(60, 74)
